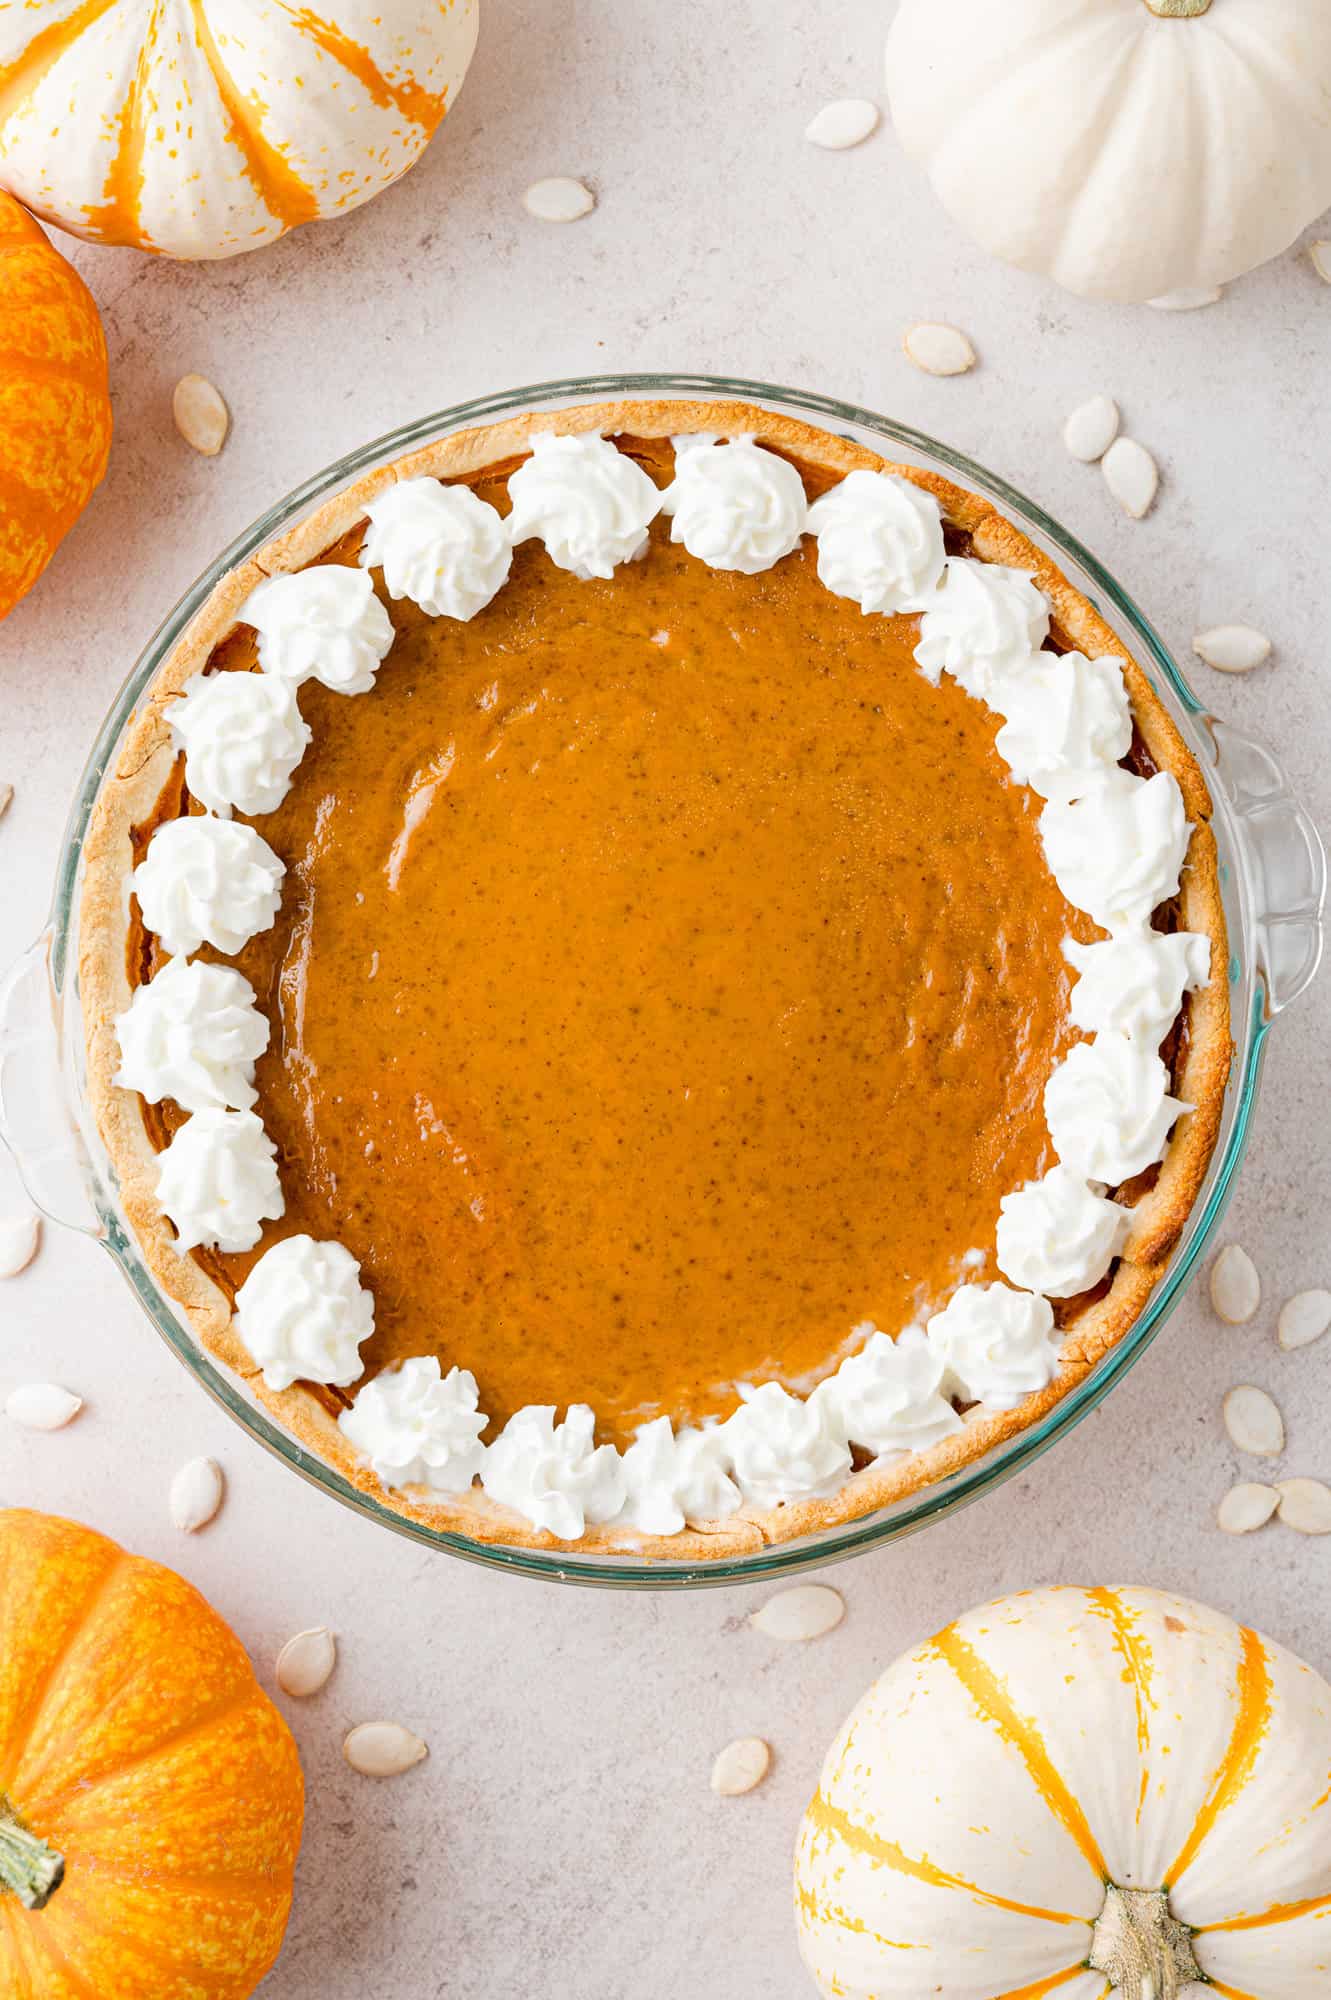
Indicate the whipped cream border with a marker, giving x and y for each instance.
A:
(990, 1345)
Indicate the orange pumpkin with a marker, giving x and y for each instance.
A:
(150, 1794)
(55, 412)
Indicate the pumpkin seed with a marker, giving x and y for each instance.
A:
(1305, 1506)
(201, 416)
(1232, 649)
(196, 1494)
(938, 349)
(1132, 476)
(1254, 1423)
(558, 200)
(306, 1662)
(42, 1406)
(1236, 1289)
(1319, 255)
(1091, 429)
(1247, 1506)
(382, 1749)
(1303, 1319)
(847, 122)
(1188, 299)
(19, 1238)
(6, 799)
(806, 1612)
(740, 1766)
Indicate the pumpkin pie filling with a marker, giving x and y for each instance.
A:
(665, 964)
(665, 983)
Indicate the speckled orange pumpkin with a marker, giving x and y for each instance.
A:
(150, 1794)
(55, 412)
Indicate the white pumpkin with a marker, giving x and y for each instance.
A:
(1081, 1793)
(1125, 148)
(202, 127)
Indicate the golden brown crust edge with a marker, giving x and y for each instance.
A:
(131, 791)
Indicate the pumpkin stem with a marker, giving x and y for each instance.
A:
(1142, 1946)
(1178, 10)
(29, 1868)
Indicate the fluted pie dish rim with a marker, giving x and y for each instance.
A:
(1158, 1221)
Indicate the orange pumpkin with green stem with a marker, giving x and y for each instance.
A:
(151, 1797)
(55, 409)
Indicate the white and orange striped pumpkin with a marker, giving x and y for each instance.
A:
(1077, 1793)
(198, 128)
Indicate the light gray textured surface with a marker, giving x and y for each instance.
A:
(562, 1839)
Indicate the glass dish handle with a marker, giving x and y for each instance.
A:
(1283, 860)
(37, 1122)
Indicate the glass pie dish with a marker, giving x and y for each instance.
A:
(1272, 873)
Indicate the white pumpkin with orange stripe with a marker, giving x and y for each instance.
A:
(1081, 1793)
(199, 128)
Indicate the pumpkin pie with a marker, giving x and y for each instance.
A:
(654, 981)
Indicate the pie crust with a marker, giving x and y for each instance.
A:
(131, 790)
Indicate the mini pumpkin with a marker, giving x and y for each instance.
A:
(1082, 1794)
(1125, 148)
(202, 127)
(150, 1794)
(55, 409)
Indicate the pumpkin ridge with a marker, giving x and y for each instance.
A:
(203, 1987)
(1094, 137)
(813, 1911)
(1055, 42)
(23, 1726)
(835, 1819)
(15, 492)
(20, 78)
(234, 1703)
(46, 1947)
(118, 216)
(1288, 79)
(1043, 1986)
(1216, 134)
(142, 1664)
(423, 107)
(1254, 54)
(216, 1886)
(15, 1955)
(41, 367)
(277, 185)
(1136, 1656)
(1279, 1913)
(1251, 1719)
(994, 1703)
(49, 517)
